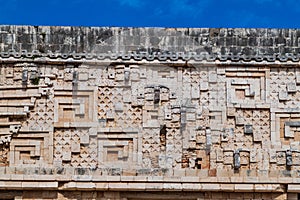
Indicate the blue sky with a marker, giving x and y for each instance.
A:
(153, 13)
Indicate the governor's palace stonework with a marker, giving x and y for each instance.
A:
(149, 113)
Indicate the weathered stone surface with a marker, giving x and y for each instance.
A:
(109, 113)
(149, 43)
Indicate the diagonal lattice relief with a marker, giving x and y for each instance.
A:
(181, 114)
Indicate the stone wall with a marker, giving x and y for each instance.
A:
(65, 195)
(110, 123)
(150, 43)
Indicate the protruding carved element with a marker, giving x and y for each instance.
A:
(289, 158)
(156, 95)
(237, 160)
(14, 128)
(248, 129)
(126, 74)
(24, 77)
(4, 150)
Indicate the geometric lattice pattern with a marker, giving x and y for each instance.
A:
(130, 116)
(88, 112)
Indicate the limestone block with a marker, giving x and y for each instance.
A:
(228, 157)
(296, 158)
(281, 158)
(149, 96)
(239, 120)
(298, 77)
(135, 73)
(119, 74)
(151, 124)
(215, 137)
(143, 72)
(268, 187)
(118, 107)
(111, 73)
(137, 186)
(92, 131)
(66, 156)
(118, 186)
(208, 137)
(83, 76)
(172, 95)
(191, 187)
(288, 132)
(30, 185)
(203, 86)
(283, 95)
(244, 187)
(253, 156)
(172, 187)
(291, 87)
(168, 114)
(226, 135)
(219, 153)
(195, 92)
(48, 185)
(110, 114)
(164, 96)
(231, 111)
(14, 128)
(126, 75)
(257, 136)
(244, 157)
(190, 116)
(84, 139)
(212, 78)
(293, 188)
(211, 187)
(248, 129)
(201, 139)
(127, 96)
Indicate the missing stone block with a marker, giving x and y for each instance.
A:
(163, 136)
(198, 162)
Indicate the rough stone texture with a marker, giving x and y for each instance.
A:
(146, 113)
(65, 195)
(150, 43)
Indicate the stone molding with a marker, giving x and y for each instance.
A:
(162, 44)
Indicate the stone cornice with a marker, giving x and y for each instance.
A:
(162, 44)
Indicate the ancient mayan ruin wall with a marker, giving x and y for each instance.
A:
(149, 113)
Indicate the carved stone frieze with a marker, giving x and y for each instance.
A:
(202, 117)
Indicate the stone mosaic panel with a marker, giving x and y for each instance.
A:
(143, 116)
(105, 122)
(149, 113)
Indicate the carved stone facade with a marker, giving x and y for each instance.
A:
(115, 113)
